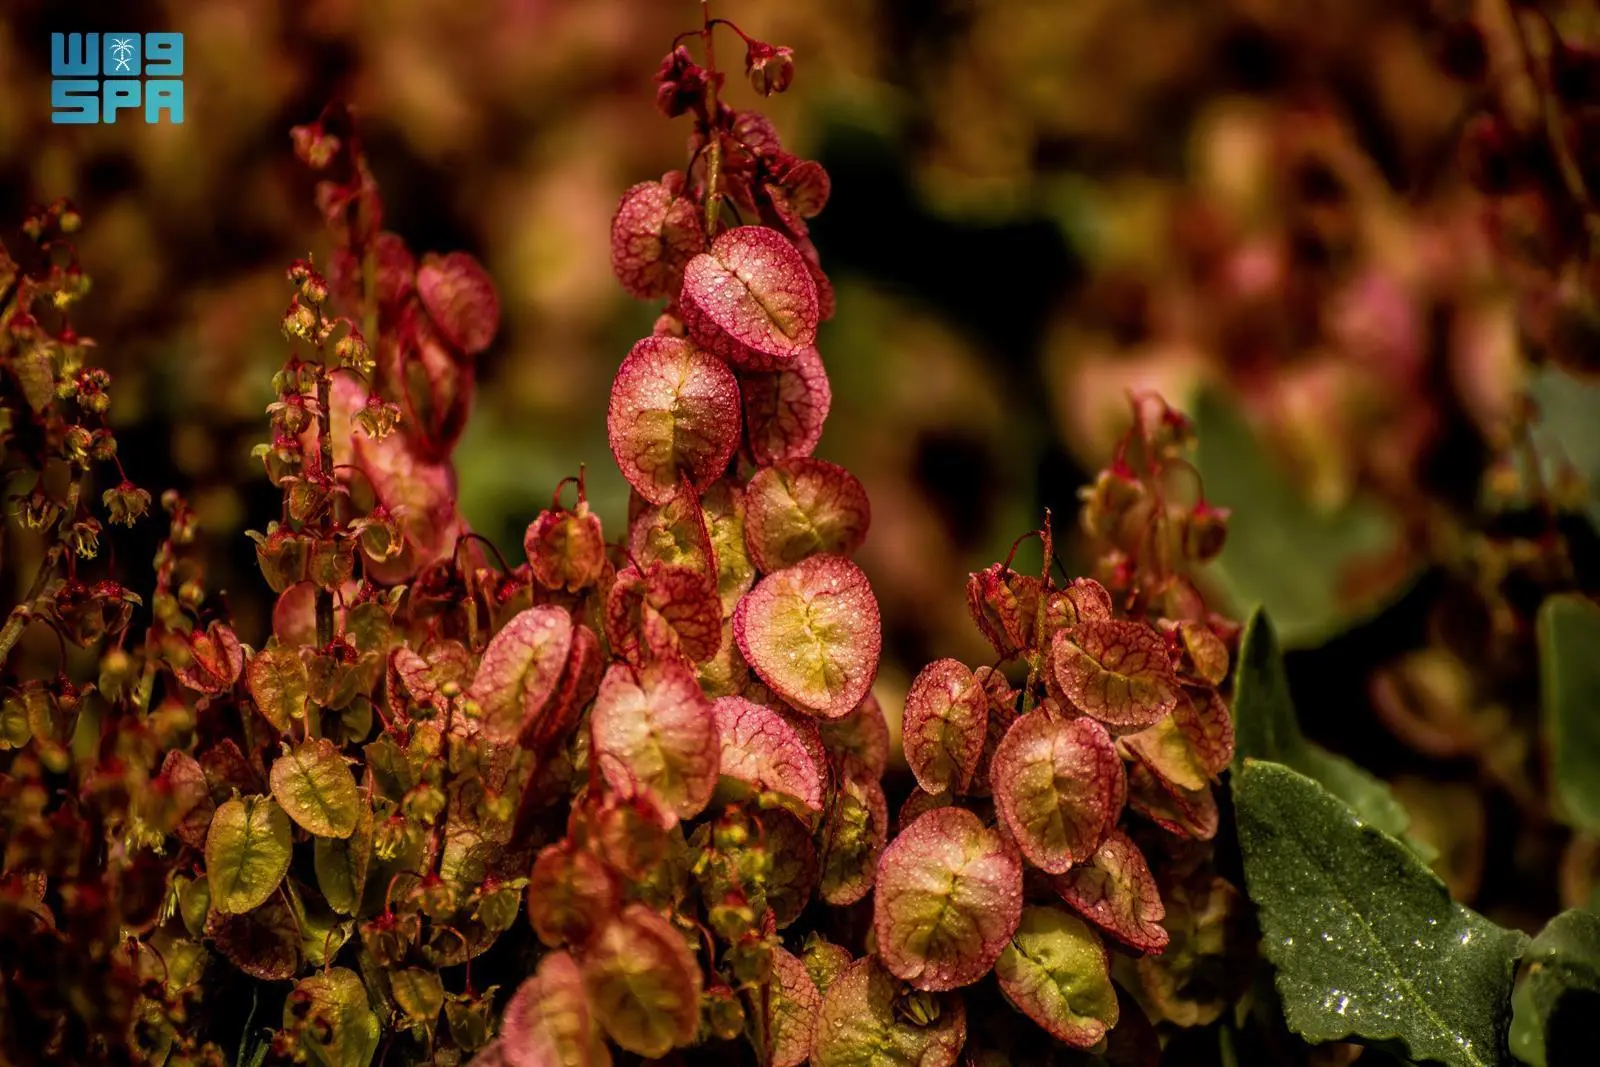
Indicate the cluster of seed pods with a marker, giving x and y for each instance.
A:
(733, 750)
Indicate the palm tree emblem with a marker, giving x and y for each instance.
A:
(122, 53)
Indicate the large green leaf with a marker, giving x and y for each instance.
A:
(1569, 659)
(314, 784)
(1365, 939)
(1265, 728)
(341, 863)
(1555, 1018)
(247, 853)
(1283, 552)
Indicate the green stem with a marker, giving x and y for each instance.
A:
(23, 613)
(324, 598)
(713, 137)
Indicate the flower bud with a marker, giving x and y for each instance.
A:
(314, 289)
(436, 898)
(283, 556)
(333, 561)
(730, 833)
(127, 503)
(723, 1013)
(289, 414)
(425, 803)
(751, 961)
(918, 1007)
(1004, 604)
(87, 613)
(68, 220)
(299, 322)
(498, 903)
(1204, 532)
(378, 418)
(104, 448)
(771, 69)
(36, 222)
(353, 353)
(1170, 431)
(116, 673)
(389, 838)
(680, 84)
(1107, 503)
(566, 549)
(184, 525)
(84, 536)
(314, 146)
(468, 1017)
(385, 938)
(76, 444)
(380, 535)
(37, 510)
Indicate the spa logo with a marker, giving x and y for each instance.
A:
(94, 76)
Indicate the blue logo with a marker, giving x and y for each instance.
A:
(96, 75)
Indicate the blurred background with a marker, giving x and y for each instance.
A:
(1260, 208)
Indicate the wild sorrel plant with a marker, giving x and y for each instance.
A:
(729, 775)
(1017, 855)
(667, 743)
(77, 890)
(664, 747)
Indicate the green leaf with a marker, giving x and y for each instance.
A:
(1265, 728)
(322, 933)
(1365, 939)
(521, 668)
(948, 899)
(353, 1030)
(419, 993)
(316, 788)
(1057, 973)
(279, 684)
(643, 983)
(14, 729)
(1555, 1006)
(341, 863)
(252, 1047)
(860, 1025)
(1569, 662)
(549, 1020)
(1283, 552)
(264, 942)
(35, 368)
(792, 1010)
(1569, 427)
(194, 901)
(247, 853)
